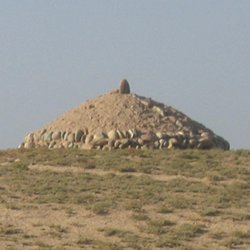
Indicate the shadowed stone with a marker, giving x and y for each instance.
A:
(124, 87)
(79, 135)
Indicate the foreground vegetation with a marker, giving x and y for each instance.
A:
(124, 199)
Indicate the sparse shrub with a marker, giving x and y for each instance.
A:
(233, 243)
(20, 166)
(241, 234)
(162, 223)
(101, 208)
(11, 231)
(85, 241)
(165, 210)
(59, 228)
(210, 211)
(187, 231)
(159, 227)
(111, 232)
(141, 217)
(89, 165)
(128, 169)
(168, 241)
(135, 206)
(180, 202)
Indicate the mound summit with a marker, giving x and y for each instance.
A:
(120, 119)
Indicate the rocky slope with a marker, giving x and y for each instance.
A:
(120, 120)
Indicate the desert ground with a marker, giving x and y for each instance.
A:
(124, 199)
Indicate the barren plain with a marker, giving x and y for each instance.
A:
(124, 199)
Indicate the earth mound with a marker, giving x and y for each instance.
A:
(120, 119)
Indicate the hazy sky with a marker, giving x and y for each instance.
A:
(192, 55)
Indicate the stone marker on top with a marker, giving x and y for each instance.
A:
(124, 87)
